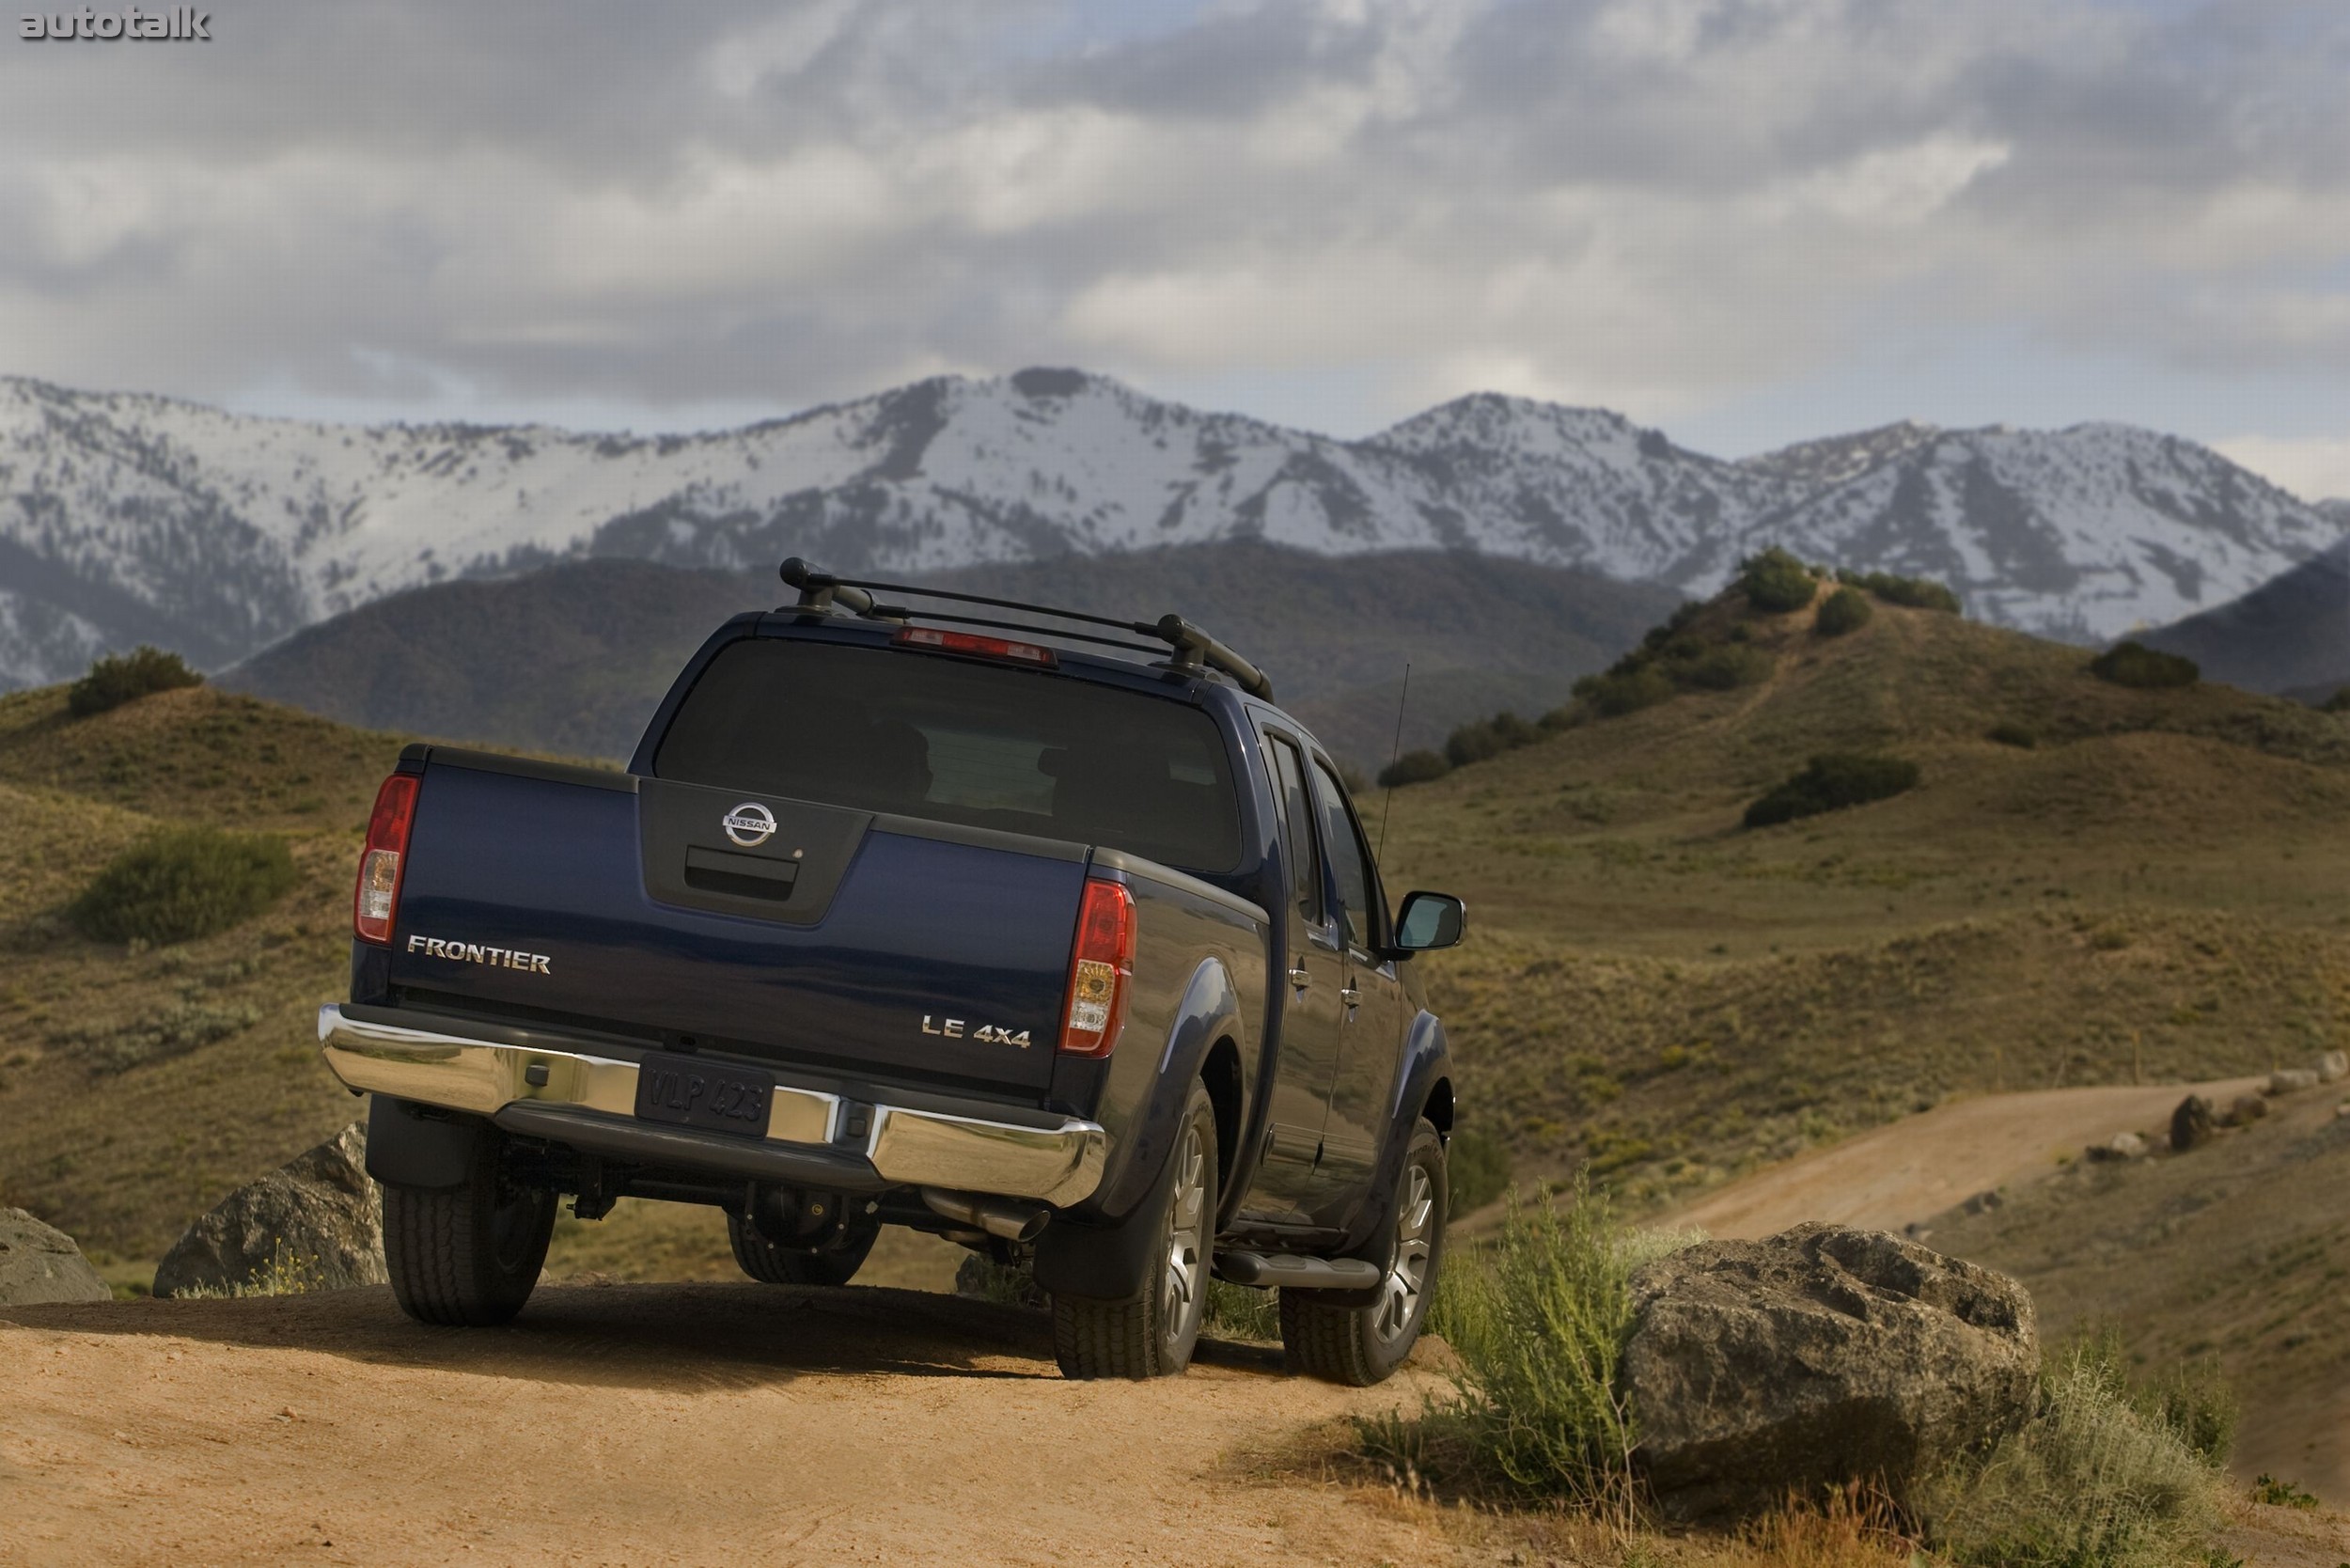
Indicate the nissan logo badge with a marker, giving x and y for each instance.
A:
(750, 825)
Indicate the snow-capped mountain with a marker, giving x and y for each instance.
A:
(129, 518)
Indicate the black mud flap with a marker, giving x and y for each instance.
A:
(1106, 1262)
(413, 1146)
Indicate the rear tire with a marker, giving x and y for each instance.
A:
(1155, 1336)
(771, 1264)
(1362, 1345)
(467, 1256)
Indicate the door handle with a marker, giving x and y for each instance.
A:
(1350, 996)
(1301, 978)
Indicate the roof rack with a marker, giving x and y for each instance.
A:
(1194, 650)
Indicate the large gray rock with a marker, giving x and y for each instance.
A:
(39, 1262)
(1819, 1356)
(316, 1223)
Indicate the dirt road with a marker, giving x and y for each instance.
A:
(1914, 1169)
(656, 1424)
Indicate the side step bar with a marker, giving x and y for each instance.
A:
(1291, 1272)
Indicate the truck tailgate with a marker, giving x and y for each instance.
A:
(830, 937)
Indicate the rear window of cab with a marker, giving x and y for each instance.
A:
(960, 740)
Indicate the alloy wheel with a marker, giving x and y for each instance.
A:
(1407, 1276)
(1180, 1295)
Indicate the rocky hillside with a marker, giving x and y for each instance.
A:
(127, 518)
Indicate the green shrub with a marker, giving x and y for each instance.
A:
(1723, 668)
(1776, 582)
(183, 884)
(1832, 781)
(2282, 1494)
(1540, 1328)
(1844, 610)
(1478, 1165)
(2022, 737)
(1414, 767)
(2133, 663)
(1241, 1312)
(2339, 702)
(1916, 593)
(1614, 694)
(2089, 1482)
(1486, 738)
(122, 677)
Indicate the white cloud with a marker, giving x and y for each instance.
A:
(2315, 468)
(1661, 205)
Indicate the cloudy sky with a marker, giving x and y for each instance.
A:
(1746, 221)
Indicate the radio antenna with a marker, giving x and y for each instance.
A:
(1386, 807)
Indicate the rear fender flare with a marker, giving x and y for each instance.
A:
(1427, 1065)
(1108, 1259)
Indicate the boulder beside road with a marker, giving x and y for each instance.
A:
(318, 1218)
(39, 1262)
(1821, 1356)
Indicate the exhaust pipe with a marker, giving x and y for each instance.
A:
(997, 1217)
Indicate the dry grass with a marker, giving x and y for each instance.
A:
(2151, 893)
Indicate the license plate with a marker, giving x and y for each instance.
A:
(687, 1091)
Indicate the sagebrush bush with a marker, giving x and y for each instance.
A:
(1539, 1316)
(2134, 664)
(2089, 1482)
(2022, 737)
(185, 1026)
(1832, 781)
(1621, 692)
(1721, 668)
(2339, 702)
(1846, 610)
(1915, 593)
(1487, 738)
(183, 884)
(121, 677)
(1477, 1166)
(1414, 767)
(1776, 582)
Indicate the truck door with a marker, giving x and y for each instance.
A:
(1371, 1038)
(1314, 974)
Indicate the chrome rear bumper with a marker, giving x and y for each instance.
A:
(567, 1084)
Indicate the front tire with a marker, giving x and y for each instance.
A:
(771, 1264)
(1362, 1345)
(467, 1256)
(1155, 1336)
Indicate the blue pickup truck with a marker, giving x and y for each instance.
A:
(1076, 957)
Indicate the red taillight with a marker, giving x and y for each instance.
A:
(984, 648)
(1101, 970)
(376, 900)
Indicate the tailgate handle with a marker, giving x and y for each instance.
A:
(748, 876)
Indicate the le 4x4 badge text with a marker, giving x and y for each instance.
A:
(986, 1034)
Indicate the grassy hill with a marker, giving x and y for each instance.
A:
(226, 1080)
(2153, 888)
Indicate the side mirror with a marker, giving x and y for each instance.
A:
(1429, 920)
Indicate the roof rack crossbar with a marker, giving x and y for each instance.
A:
(1193, 648)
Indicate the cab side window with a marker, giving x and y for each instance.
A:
(1297, 827)
(1350, 865)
